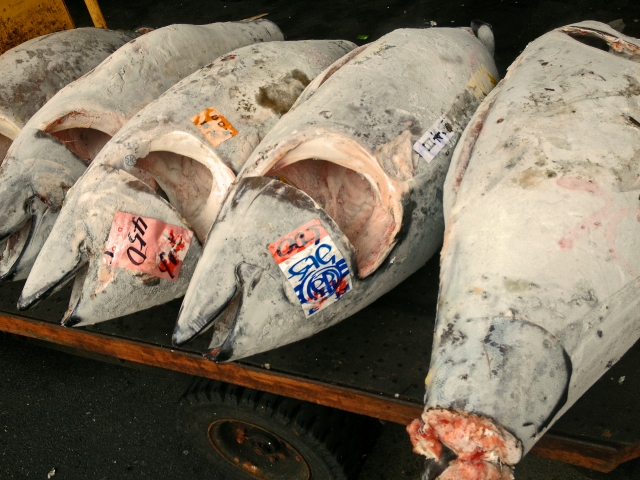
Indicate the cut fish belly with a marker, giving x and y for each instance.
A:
(341, 201)
(191, 142)
(63, 137)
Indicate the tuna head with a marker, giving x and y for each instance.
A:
(191, 154)
(346, 207)
(87, 113)
(33, 188)
(157, 257)
(275, 302)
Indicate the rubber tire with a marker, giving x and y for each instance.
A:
(332, 442)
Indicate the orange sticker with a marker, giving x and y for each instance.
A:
(147, 245)
(214, 126)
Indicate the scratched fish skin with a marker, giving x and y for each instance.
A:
(540, 283)
(340, 165)
(31, 73)
(250, 88)
(81, 118)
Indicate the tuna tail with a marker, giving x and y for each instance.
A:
(484, 32)
(239, 270)
(35, 177)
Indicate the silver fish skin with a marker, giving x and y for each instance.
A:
(87, 113)
(342, 158)
(540, 277)
(250, 88)
(33, 72)
(30, 75)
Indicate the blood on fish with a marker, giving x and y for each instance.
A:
(473, 470)
(472, 437)
(424, 439)
(610, 215)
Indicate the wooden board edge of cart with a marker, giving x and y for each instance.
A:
(603, 457)
(22, 20)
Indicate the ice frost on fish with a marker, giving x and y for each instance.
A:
(132, 249)
(540, 283)
(59, 141)
(31, 73)
(335, 207)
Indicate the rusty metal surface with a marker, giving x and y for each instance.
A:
(22, 20)
(383, 349)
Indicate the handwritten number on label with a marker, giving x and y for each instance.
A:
(140, 226)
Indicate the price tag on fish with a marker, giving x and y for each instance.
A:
(434, 139)
(147, 245)
(313, 265)
(214, 126)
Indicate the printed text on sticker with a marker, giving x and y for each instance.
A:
(434, 139)
(313, 266)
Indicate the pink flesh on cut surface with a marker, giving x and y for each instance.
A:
(5, 143)
(86, 143)
(350, 200)
(478, 443)
(424, 440)
(472, 437)
(467, 470)
(187, 182)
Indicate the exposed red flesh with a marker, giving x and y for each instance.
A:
(424, 440)
(472, 437)
(468, 470)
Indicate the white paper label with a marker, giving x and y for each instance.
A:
(434, 139)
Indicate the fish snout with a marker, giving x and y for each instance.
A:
(15, 198)
(139, 251)
(35, 178)
(275, 258)
(51, 271)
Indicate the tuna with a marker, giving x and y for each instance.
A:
(62, 138)
(540, 285)
(191, 141)
(342, 200)
(33, 72)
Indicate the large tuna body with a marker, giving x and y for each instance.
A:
(540, 286)
(335, 207)
(54, 148)
(191, 141)
(32, 73)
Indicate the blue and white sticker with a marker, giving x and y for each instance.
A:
(313, 265)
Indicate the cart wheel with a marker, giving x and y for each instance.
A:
(252, 434)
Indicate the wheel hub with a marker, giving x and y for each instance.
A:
(257, 452)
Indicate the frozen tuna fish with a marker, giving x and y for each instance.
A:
(137, 249)
(56, 145)
(342, 199)
(31, 73)
(540, 286)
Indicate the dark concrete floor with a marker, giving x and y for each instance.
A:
(95, 420)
